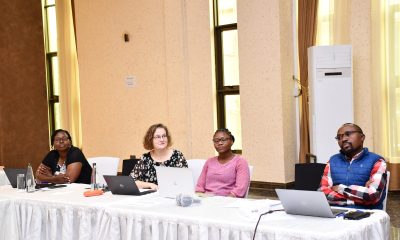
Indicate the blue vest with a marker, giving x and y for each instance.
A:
(356, 173)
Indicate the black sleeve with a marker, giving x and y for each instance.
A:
(75, 155)
(50, 160)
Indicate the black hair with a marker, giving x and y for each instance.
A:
(57, 131)
(355, 126)
(225, 130)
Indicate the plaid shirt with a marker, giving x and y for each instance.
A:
(354, 194)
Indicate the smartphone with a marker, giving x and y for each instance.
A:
(357, 215)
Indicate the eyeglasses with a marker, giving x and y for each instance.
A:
(223, 140)
(347, 134)
(158, 137)
(64, 139)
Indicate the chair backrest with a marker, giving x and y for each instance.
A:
(128, 165)
(104, 166)
(387, 190)
(307, 176)
(251, 173)
(196, 165)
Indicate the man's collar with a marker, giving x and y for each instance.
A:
(359, 154)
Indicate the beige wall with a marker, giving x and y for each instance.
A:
(170, 55)
(266, 68)
(360, 37)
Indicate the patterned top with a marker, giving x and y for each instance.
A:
(144, 169)
(353, 194)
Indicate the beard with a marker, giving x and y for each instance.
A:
(349, 151)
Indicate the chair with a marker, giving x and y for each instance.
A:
(196, 165)
(307, 176)
(128, 165)
(387, 190)
(251, 173)
(104, 166)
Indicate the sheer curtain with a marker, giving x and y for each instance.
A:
(307, 19)
(333, 22)
(69, 72)
(386, 81)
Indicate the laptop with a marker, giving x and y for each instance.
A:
(307, 203)
(173, 181)
(12, 175)
(124, 185)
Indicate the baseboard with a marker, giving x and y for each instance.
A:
(269, 186)
(394, 182)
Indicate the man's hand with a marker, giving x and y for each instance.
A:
(335, 188)
(369, 183)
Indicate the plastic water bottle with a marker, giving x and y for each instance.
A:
(93, 182)
(30, 179)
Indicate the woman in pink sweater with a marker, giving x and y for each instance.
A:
(226, 174)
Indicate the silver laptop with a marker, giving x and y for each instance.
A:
(307, 203)
(173, 181)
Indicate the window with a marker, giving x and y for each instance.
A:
(393, 77)
(227, 69)
(325, 22)
(50, 37)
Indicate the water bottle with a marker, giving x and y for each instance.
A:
(93, 182)
(30, 179)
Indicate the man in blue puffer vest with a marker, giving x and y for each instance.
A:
(355, 177)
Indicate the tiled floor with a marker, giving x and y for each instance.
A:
(392, 208)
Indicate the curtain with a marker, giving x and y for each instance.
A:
(68, 72)
(307, 21)
(385, 34)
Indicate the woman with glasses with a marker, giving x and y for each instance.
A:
(226, 174)
(64, 163)
(158, 141)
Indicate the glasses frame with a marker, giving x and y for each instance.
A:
(160, 137)
(223, 140)
(339, 137)
(64, 139)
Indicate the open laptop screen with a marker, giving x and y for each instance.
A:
(307, 203)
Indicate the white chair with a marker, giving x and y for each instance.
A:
(104, 166)
(387, 190)
(251, 173)
(196, 165)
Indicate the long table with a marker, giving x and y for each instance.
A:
(66, 214)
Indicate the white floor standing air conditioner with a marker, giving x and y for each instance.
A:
(330, 96)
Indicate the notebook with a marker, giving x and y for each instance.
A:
(12, 175)
(307, 203)
(124, 185)
(173, 181)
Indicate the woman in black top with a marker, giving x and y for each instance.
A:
(158, 141)
(65, 163)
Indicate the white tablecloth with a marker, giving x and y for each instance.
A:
(3, 178)
(66, 214)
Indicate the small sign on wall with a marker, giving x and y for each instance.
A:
(130, 81)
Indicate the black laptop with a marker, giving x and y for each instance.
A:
(12, 175)
(124, 185)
